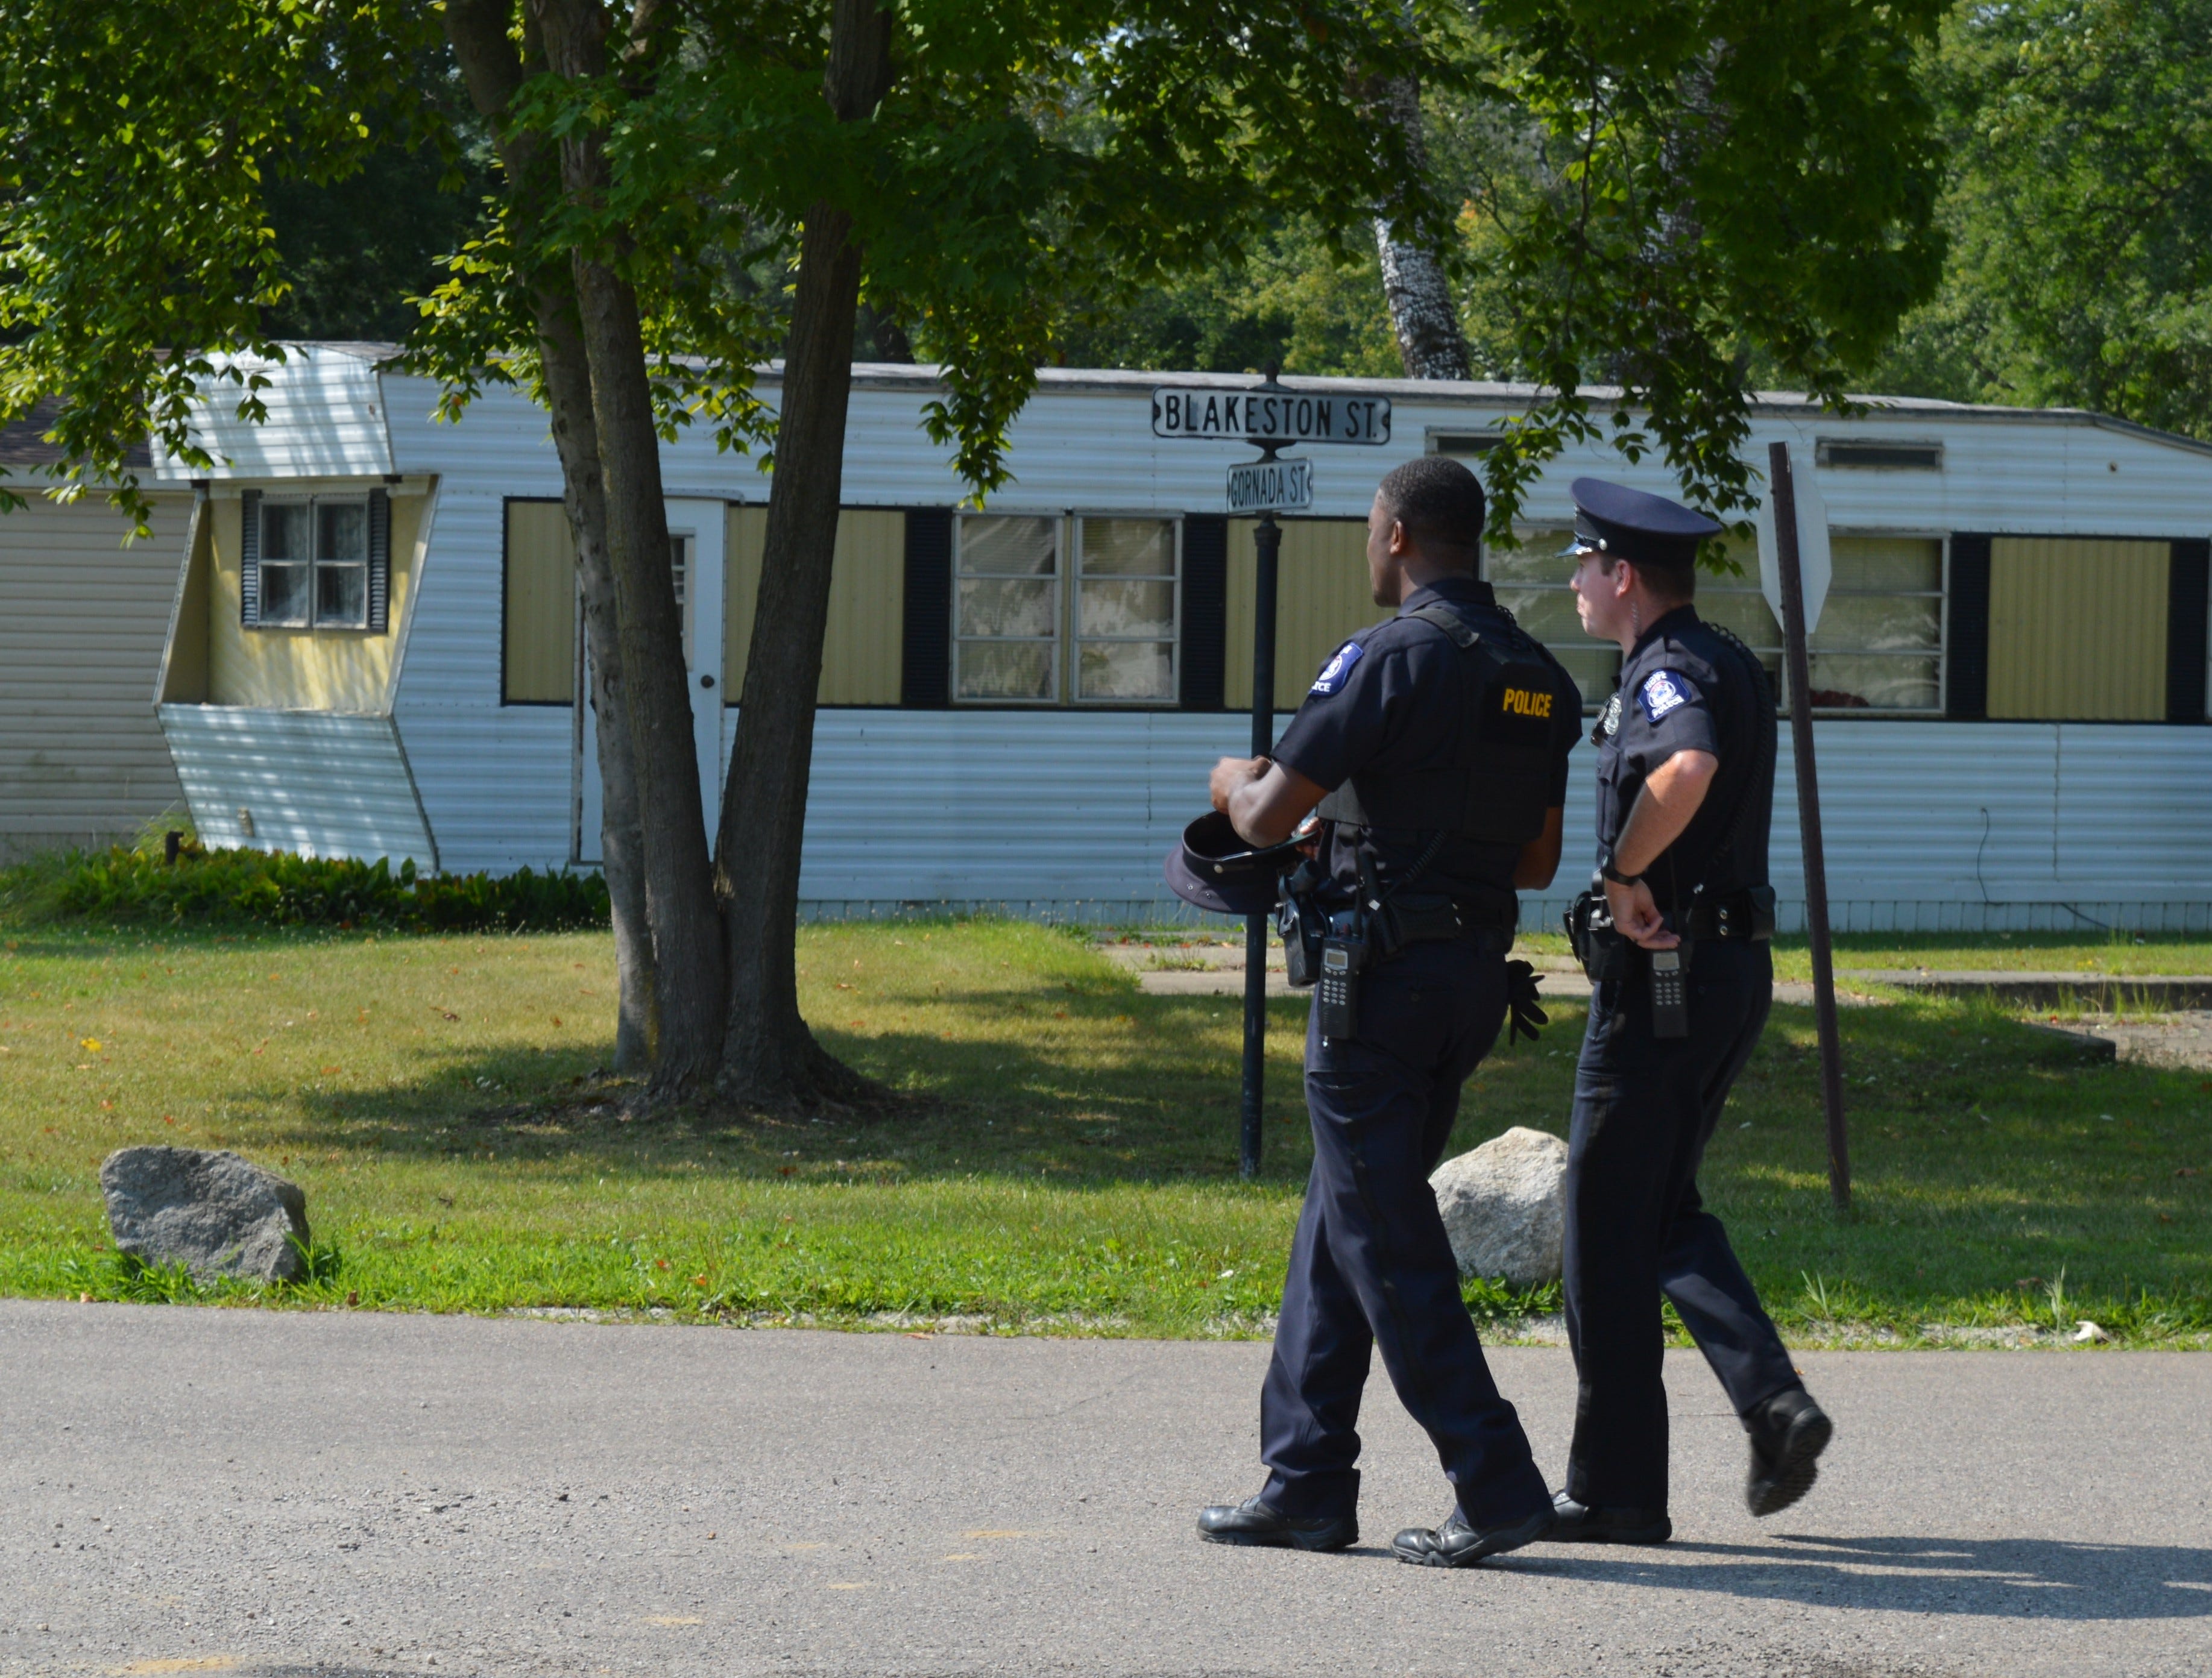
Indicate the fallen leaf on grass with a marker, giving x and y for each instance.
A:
(89, 1045)
(329, 1071)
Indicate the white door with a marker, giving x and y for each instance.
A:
(695, 533)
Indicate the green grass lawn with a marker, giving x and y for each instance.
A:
(2012, 952)
(1069, 1163)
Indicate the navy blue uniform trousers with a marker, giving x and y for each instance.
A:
(1645, 1109)
(1370, 1265)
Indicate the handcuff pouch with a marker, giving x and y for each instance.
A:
(1604, 953)
(1303, 924)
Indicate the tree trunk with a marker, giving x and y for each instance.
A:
(770, 1058)
(1414, 284)
(493, 71)
(680, 906)
(621, 838)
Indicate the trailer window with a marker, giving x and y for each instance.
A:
(1006, 593)
(315, 563)
(1879, 646)
(1125, 609)
(1880, 643)
(1019, 637)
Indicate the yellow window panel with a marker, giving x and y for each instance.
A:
(2077, 629)
(863, 641)
(1323, 596)
(540, 646)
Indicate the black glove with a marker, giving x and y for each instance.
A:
(1522, 1003)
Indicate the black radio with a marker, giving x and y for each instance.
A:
(1336, 996)
(1670, 995)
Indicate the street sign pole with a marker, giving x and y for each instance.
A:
(1267, 545)
(1271, 417)
(1799, 666)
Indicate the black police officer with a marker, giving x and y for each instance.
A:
(1435, 746)
(1686, 792)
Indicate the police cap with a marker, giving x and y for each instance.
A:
(1216, 868)
(1629, 524)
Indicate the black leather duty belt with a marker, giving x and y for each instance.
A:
(1425, 920)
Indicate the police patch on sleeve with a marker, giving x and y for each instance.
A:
(1334, 673)
(1663, 693)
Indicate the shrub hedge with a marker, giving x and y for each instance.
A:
(278, 889)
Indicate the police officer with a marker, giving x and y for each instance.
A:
(1435, 746)
(1685, 792)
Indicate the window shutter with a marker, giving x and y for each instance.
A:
(249, 558)
(1205, 609)
(1967, 683)
(2188, 598)
(926, 675)
(379, 559)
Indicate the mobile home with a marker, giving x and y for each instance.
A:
(374, 648)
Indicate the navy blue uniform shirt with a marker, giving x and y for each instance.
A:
(1398, 698)
(1683, 687)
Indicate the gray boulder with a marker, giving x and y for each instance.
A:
(215, 1213)
(1505, 1207)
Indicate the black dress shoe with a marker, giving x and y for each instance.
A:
(1788, 1433)
(1576, 1522)
(1253, 1521)
(1456, 1544)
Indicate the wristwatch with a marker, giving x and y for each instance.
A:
(1608, 871)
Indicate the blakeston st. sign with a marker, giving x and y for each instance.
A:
(1269, 415)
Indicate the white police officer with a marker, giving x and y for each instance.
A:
(1435, 746)
(1681, 989)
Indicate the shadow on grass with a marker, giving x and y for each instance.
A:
(1072, 1086)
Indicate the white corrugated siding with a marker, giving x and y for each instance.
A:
(83, 622)
(317, 783)
(495, 778)
(325, 419)
(1924, 822)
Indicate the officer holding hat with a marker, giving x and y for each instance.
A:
(1682, 981)
(1435, 746)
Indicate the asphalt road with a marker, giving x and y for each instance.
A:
(347, 1493)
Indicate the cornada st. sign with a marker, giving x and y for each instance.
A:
(1277, 416)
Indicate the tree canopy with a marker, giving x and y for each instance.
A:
(2079, 206)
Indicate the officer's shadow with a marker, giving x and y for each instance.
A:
(2009, 1577)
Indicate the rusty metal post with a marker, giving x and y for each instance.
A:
(1798, 665)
